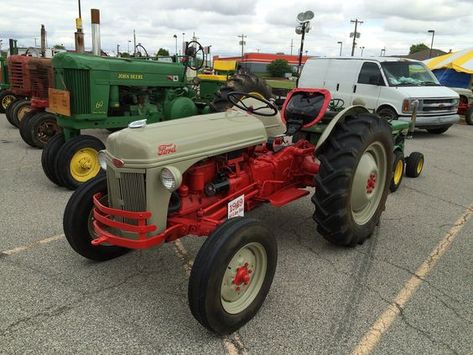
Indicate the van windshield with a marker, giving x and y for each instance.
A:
(408, 74)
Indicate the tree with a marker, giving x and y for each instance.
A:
(59, 46)
(278, 67)
(417, 48)
(162, 53)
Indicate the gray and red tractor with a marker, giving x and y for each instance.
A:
(202, 175)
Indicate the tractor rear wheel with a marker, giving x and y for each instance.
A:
(48, 157)
(232, 275)
(6, 98)
(20, 111)
(77, 161)
(469, 116)
(78, 222)
(353, 182)
(398, 170)
(23, 127)
(240, 82)
(41, 128)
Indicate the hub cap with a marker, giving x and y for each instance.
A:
(243, 278)
(420, 165)
(368, 183)
(84, 164)
(47, 129)
(22, 111)
(7, 100)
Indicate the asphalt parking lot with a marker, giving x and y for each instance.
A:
(414, 277)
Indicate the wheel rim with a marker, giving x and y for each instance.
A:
(243, 278)
(7, 100)
(368, 183)
(84, 164)
(398, 171)
(420, 166)
(46, 129)
(22, 111)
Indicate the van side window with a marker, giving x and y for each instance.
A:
(370, 74)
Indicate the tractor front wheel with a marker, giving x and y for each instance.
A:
(398, 170)
(353, 182)
(78, 222)
(232, 275)
(77, 161)
(41, 128)
(48, 158)
(10, 109)
(6, 98)
(414, 164)
(20, 111)
(23, 127)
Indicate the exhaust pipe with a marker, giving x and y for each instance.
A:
(43, 41)
(95, 16)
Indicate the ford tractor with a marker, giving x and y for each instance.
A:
(202, 175)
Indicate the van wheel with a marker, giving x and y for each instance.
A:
(469, 116)
(438, 130)
(387, 113)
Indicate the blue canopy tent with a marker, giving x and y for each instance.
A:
(452, 78)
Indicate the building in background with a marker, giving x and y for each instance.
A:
(257, 62)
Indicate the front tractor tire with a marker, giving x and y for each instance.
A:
(48, 158)
(78, 220)
(414, 164)
(6, 98)
(77, 161)
(248, 83)
(354, 178)
(39, 129)
(398, 170)
(232, 275)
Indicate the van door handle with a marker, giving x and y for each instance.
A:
(354, 88)
(338, 86)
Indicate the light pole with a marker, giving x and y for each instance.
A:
(242, 44)
(183, 41)
(304, 26)
(175, 37)
(341, 47)
(383, 52)
(362, 49)
(431, 43)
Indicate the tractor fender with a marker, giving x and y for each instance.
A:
(340, 117)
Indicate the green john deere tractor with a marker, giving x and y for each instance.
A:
(97, 92)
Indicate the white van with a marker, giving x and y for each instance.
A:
(386, 85)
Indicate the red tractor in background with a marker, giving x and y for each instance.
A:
(200, 175)
(20, 86)
(38, 125)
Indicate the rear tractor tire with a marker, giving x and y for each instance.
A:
(77, 161)
(6, 98)
(232, 275)
(398, 170)
(240, 82)
(78, 220)
(353, 182)
(414, 164)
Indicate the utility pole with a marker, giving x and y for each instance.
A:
(118, 50)
(292, 45)
(355, 35)
(341, 47)
(242, 43)
(134, 43)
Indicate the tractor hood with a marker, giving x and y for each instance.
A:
(191, 138)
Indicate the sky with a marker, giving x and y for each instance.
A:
(268, 24)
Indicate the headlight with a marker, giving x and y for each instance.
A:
(171, 178)
(102, 160)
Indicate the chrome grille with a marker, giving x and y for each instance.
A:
(126, 191)
(438, 105)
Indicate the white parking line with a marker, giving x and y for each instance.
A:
(372, 337)
(31, 245)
